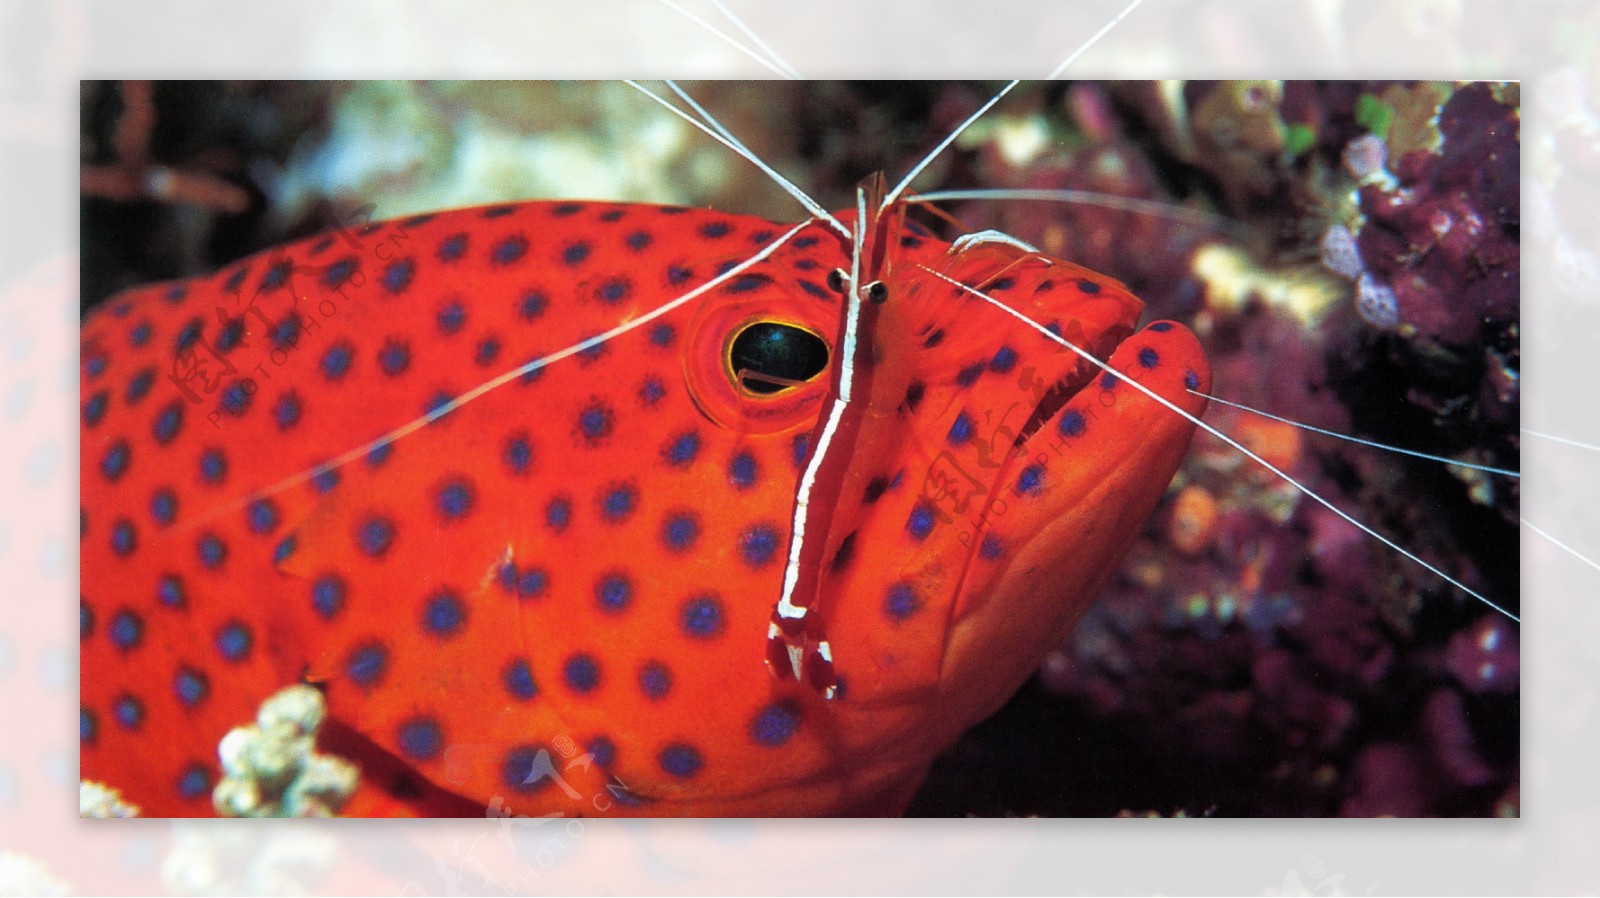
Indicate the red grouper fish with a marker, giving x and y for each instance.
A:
(552, 588)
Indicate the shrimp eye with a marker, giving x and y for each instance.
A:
(877, 292)
(836, 280)
(770, 356)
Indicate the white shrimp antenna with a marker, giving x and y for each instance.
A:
(775, 62)
(715, 130)
(789, 70)
(917, 169)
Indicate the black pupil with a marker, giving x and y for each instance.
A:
(778, 351)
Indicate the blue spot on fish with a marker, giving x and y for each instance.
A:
(775, 724)
(702, 617)
(336, 361)
(445, 614)
(758, 544)
(367, 663)
(921, 521)
(680, 761)
(1031, 481)
(960, 429)
(190, 686)
(901, 602)
(582, 673)
(164, 506)
(233, 641)
(420, 738)
(327, 595)
(518, 679)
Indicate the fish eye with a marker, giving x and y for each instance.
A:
(877, 292)
(771, 356)
(836, 279)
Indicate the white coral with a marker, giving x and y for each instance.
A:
(272, 769)
(98, 800)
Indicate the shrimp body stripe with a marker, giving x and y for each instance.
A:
(791, 574)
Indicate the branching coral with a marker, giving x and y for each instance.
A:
(272, 769)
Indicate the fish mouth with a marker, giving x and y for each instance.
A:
(1056, 394)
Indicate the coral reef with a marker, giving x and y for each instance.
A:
(272, 768)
